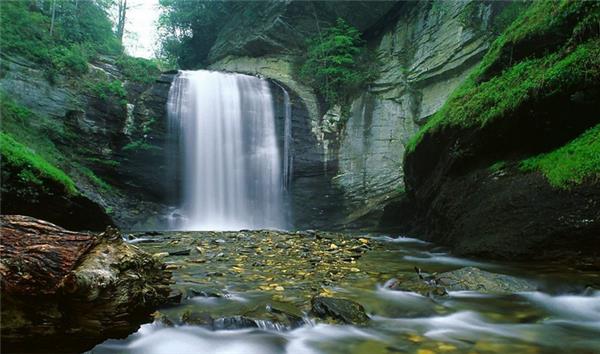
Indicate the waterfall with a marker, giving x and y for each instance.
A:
(288, 156)
(231, 168)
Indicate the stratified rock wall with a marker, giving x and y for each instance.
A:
(347, 167)
(87, 130)
(422, 57)
(262, 28)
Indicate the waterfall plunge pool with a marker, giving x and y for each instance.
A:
(250, 273)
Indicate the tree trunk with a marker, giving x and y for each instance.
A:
(53, 17)
(56, 283)
(121, 20)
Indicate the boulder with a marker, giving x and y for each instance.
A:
(339, 310)
(463, 279)
(65, 291)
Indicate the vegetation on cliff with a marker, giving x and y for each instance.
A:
(80, 31)
(33, 169)
(550, 49)
(189, 29)
(571, 164)
(337, 63)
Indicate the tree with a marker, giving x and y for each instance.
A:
(189, 29)
(53, 17)
(121, 19)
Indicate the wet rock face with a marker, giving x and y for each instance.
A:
(347, 168)
(264, 28)
(89, 287)
(90, 132)
(423, 56)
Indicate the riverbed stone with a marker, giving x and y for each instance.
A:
(339, 310)
(463, 279)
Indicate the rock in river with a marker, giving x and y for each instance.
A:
(343, 310)
(463, 279)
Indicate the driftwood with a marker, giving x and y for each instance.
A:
(58, 283)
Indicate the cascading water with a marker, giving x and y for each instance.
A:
(288, 156)
(231, 167)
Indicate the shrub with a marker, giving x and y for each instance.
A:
(336, 64)
(138, 69)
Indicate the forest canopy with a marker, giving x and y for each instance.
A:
(189, 29)
(62, 35)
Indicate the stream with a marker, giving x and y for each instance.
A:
(249, 292)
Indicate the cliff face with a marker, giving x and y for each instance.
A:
(262, 28)
(510, 166)
(96, 129)
(423, 56)
(348, 167)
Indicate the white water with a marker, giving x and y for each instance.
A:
(232, 168)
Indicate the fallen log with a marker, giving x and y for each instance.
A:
(65, 291)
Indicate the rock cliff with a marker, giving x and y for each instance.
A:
(348, 167)
(105, 132)
(509, 167)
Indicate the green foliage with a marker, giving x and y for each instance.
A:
(571, 164)
(11, 111)
(336, 63)
(33, 168)
(139, 69)
(508, 14)
(483, 97)
(147, 125)
(105, 89)
(139, 145)
(82, 29)
(497, 166)
(94, 178)
(24, 125)
(103, 162)
(189, 29)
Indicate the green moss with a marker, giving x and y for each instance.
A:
(500, 84)
(12, 111)
(497, 166)
(94, 178)
(477, 105)
(571, 164)
(24, 125)
(33, 167)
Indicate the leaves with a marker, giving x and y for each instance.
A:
(336, 63)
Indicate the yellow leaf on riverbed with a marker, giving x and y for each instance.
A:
(425, 351)
(415, 338)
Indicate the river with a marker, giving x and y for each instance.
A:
(249, 292)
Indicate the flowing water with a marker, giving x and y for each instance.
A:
(231, 169)
(250, 292)
(251, 273)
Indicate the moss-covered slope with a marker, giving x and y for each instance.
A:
(512, 161)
